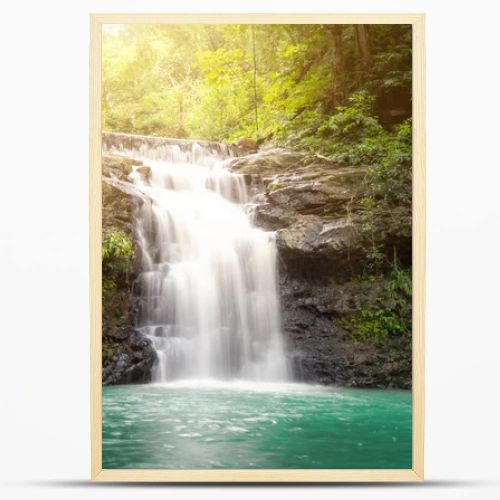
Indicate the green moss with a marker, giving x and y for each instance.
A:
(273, 186)
(312, 175)
(122, 164)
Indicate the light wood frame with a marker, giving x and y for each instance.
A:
(260, 475)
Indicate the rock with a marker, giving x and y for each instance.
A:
(299, 239)
(272, 217)
(132, 362)
(311, 242)
(127, 356)
(310, 198)
(118, 197)
(118, 166)
(268, 162)
(117, 209)
(246, 143)
(118, 332)
(144, 171)
(321, 350)
(314, 205)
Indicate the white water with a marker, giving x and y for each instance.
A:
(208, 285)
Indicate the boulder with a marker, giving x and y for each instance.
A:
(118, 166)
(267, 162)
(132, 363)
(272, 217)
(310, 238)
(144, 171)
(246, 143)
(310, 198)
(119, 198)
(299, 239)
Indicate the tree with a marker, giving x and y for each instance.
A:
(338, 67)
(364, 45)
(255, 103)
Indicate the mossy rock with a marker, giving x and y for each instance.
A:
(119, 166)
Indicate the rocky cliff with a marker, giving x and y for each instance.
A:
(128, 356)
(314, 205)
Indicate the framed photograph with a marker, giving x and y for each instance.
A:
(257, 247)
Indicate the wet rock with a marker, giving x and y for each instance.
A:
(128, 144)
(127, 356)
(132, 362)
(144, 171)
(117, 166)
(321, 350)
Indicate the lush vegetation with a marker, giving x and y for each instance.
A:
(117, 270)
(117, 259)
(388, 318)
(262, 81)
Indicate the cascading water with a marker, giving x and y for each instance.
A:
(208, 286)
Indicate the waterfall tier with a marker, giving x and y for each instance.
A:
(208, 283)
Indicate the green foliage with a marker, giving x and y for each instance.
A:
(390, 175)
(145, 81)
(389, 318)
(116, 245)
(351, 136)
(117, 259)
(387, 204)
(263, 81)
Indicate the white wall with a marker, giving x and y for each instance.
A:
(44, 433)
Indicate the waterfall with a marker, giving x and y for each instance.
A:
(208, 282)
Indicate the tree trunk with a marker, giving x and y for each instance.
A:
(338, 67)
(337, 41)
(256, 109)
(364, 46)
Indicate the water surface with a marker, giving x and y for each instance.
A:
(254, 426)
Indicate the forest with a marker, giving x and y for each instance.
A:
(284, 82)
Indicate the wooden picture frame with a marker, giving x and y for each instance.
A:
(416, 473)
